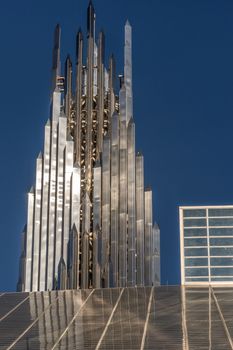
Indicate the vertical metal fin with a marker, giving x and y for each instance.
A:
(128, 71)
(115, 197)
(68, 93)
(79, 76)
(22, 262)
(56, 107)
(44, 207)
(90, 59)
(85, 242)
(131, 205)
(96, 257)
(96, 224)
(123, 198)
(73, 259)
(105, 212)
(140, 221)
(61, 142)
(148, 236)
(111, 87)
(100, 92)
(62, 275)
(68, 169)
(156, 255)
(37, 222)
(29, 240)
(90, 20)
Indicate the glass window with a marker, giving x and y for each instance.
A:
(221, 212)
(196, 272)
(196, 261)
(194, 213)
(221, 222)
(196, 252)
(221, 261)
(196, 279)
(194, 222)
(221, 251)
(195, 232)
(221, 241)
(221, 279)
(221, 231)
(222, 271)
(195, 242)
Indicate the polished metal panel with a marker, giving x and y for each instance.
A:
(95, 69)
(29, 241)
(61, 141)
(131, 278)
(123, 191)
(89, 98)
(79, 81)
(140, 219)
(100, 91)
(68, 94)
(56, 105)
(106, 80)
(22, 261)
(128, 71)
(75, 218)
(62, 275)
(37, 221)
(69, 161)
(105, 212)
(96, 225)
(114, 197)
(97, 196)
(148, 237)
(155, 270)
(111, 86)
(75, 197)
(85, 242)
(73, 258)
(44, 207)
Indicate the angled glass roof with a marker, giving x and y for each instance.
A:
(166, 317)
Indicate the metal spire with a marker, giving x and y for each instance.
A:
(56, 64)
(90, 20)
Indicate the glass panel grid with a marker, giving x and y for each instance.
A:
(221, 212)
(47, 330)
(194, 222)
(179, 318)
(194, 213)
(212, 238)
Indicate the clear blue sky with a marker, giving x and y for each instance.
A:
(183, 104)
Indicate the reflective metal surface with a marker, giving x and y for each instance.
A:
(168, 317)
(90, 222)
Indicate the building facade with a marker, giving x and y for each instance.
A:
(206, 244)
(89, 219)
